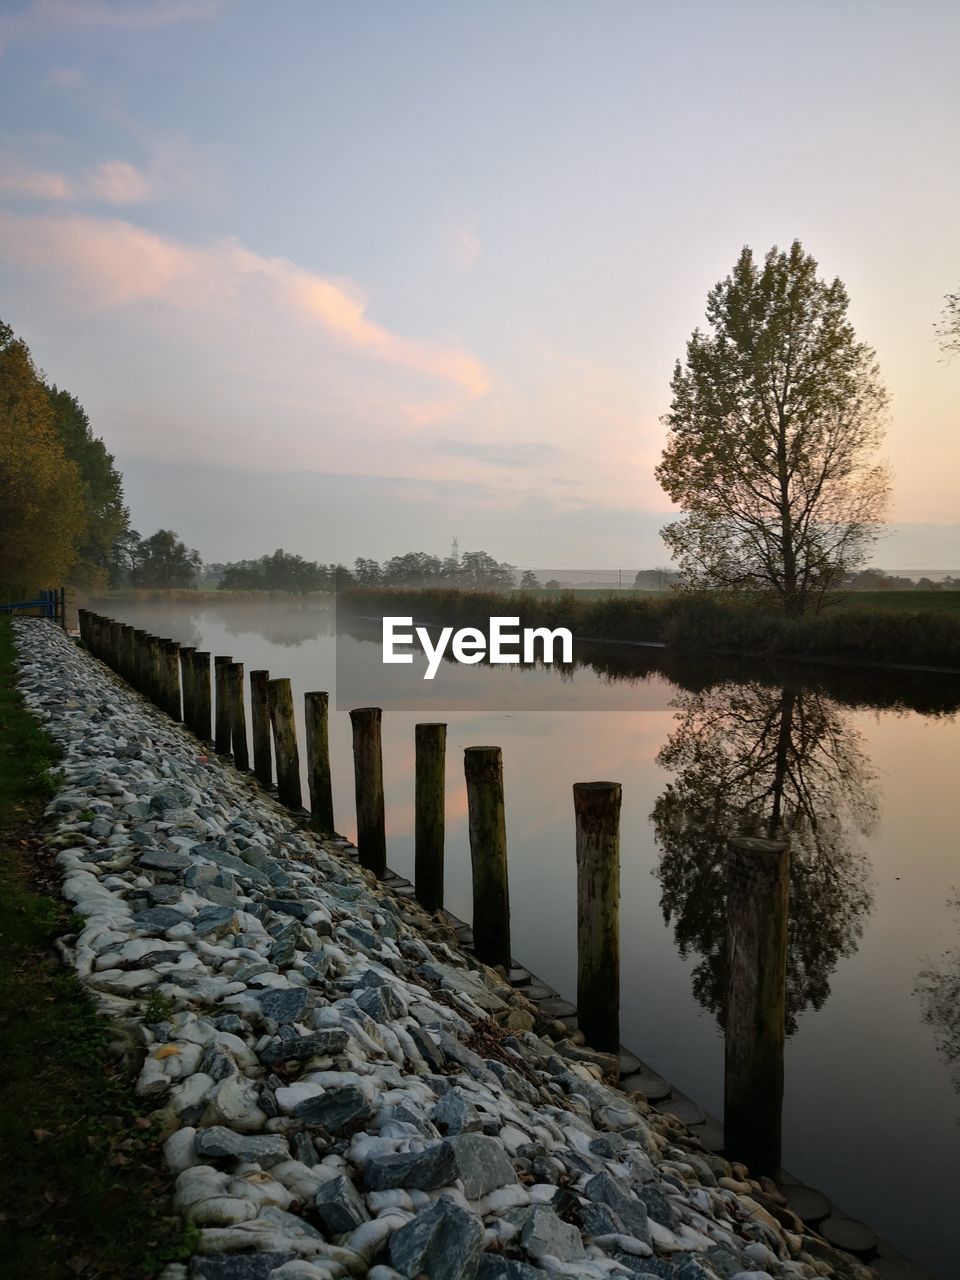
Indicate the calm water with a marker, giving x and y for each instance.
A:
(859, 774)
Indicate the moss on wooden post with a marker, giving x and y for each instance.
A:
(316, 708)
(368, 788)
(431, 745)
(260, 727)
(483, 768)
(597, 809)
(283, 724)
(758, 890)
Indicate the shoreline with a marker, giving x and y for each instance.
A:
(171, 869)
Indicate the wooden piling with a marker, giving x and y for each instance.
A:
(368, 788)
(238, 716)
(283, 724)
(154, 688)
(597, 810)
(221, 732)
(187, 684)
(758, 892)
(431, 743)
(316, 708)
(201, 695)
(170, 660)
(260, 727)
(141, 662)
(483, 768)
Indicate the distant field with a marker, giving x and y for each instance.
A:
(901, 601)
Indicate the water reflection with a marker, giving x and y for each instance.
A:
(938, 989)
(785, 764)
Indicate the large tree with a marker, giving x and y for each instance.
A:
(164, 561)
(776, 416)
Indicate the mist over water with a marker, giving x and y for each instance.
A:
(855, 770)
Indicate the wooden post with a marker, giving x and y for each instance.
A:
(597, 809)
(316, 707)
(483, 767)
(129, 655)
(431, 744)
(260, 727)
(171, 677)
(201, 693)
(154, 691)
(758, 892)
(283, 724)
(238, 715)
(187, 682)
(368, 789)
(221, 733)
(140, 660)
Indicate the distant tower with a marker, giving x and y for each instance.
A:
(455, 551)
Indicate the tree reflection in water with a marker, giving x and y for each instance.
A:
(938, 989)
(783, 764)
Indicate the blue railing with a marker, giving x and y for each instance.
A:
(50, 603)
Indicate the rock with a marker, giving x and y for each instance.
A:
(545, 1235)
(414, 1170)
(454, 1113)
(336, 1110)
(604, 1189)
(214, 922)
(320, 1044)
(340, 1206)
(381, 1003)
(237, 1266)
(285, 1004)
(482, 1164)
(848, 1234)
(158, 919)
(494, 1266)
(164, 860)
(220, 1143)
(441, 1242)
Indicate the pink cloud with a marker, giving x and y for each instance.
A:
(117, 182)
(110, 263)
(36, 184)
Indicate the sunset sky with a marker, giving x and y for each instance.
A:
(351, 278)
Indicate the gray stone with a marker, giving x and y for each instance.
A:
(441, 1242)
(545, 1235)
(237, 1266)
(413, 1170)
(455, 1113)
(284, 1004)
(659, 1207)
(157, 919)
(213, 921)
(220, 1143)
(298, 910)
(381, 1003)
(340, 1206)
(427, 1048)
(600, 1220)
(337, 1110)
(494, 1266)
(304, 1149)
(319, 1044)
(604, 1189)
(482, 1164)
(164, 860)
(231, 1023)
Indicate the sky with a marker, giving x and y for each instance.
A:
(355, 278)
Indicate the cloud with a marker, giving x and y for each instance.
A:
(35, 184)
(530, 453)
(113, 182)
(467, 247)
(117, 182)
(44, 16)
(109, 263)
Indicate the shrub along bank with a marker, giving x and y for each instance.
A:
(690, 621)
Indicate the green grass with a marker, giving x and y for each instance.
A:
(84, 1191)
(900, 601)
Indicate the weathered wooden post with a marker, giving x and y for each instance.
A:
(187, 683)
(201, 691)
(316, 707)
(758, 893)
(283, 724)
(141, 662)
(154, 690)
(431, 745)
(221, 732)
(170, 650)
(129, 655)
(260, 727)
(238, 715)
(83, 628)
(483, 767)
(368, 789)
(597, 809)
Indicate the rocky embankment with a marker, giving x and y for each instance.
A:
(347, 1093)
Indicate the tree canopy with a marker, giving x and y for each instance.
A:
(948, 330)
(776, 415)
